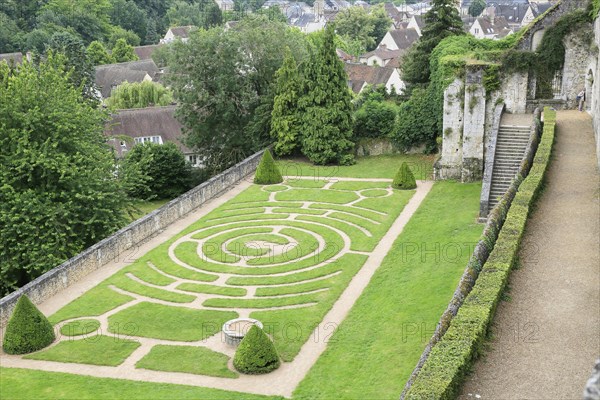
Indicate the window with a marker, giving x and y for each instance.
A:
(476, 31)
(149, 139)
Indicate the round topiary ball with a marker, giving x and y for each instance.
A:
(267, 172)
(28, 330)
(256, 353)
(404, 178)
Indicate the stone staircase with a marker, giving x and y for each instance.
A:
(510, 149)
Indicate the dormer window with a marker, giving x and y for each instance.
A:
(149, 139)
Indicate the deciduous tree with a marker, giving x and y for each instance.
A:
(58, 192)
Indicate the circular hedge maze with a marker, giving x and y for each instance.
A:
(281, 254)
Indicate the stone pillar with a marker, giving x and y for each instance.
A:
(514, 92)
(474, 125)
(450, 164)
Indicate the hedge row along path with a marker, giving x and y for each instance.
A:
(546, 336)
(295, 256)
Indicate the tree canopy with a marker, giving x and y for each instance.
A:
(224, 80)
(441, 21)
(366, 27)
(58, 191)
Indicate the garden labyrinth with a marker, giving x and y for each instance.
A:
(282, 254)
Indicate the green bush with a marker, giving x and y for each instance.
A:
(152, 170)
(267, 172)
(256, 353)
(451, 358)
(28, 330)
(375, 119)
(404, 178)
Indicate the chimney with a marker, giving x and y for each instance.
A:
(492, 13)
(28, 56)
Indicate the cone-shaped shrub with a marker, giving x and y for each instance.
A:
(404, 178)
(267, 172)
(28, 330)
(256, 353)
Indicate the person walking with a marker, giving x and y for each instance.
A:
(581, 100)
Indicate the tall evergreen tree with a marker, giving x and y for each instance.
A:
(285, 120)
(441, 21)
(326, 107)
(477, 7)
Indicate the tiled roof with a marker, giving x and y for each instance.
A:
(111, 75)
(404, 38)
(8, 57)
(145, 52)
(143, 122)
(359, 74)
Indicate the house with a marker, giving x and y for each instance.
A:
(361, 3)
(399, 39)
(517, 15)
(417, 23)
(178, 33)
(112, 75)
(420, 8)
(145, 52)
(396, 16)
(345, 57)
(487, 28)
(225, 5)
(381, 56)
(308, 23)
(12, 58)
(360, 75)
(126, 128)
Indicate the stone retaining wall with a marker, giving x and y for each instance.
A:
(125, 239)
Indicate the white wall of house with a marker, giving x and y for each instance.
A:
(373, 60)
(170, 38)
(395, 83)
(476, 30)
(529, 17)
(389, 42)
(412, 24)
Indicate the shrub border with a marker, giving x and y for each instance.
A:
(462, 328)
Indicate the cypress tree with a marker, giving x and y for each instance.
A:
(28, 330)
(404, 178)
(285, 121)
(326, 107)
(267, 172)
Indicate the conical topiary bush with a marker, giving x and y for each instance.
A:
(267, 172)
(404, 178)
(28, 330)
(256, 353)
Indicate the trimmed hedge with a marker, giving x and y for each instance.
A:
(404, 179)
(256, 353)
(267, 172)
(450, 359)
(28, 330)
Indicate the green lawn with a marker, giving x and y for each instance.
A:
(190, 359)
(376, 348)
(258, 248)
(23, 384)
(384, 166)
(145, 207)
(96, 350)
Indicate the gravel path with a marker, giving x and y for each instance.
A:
(546, 337)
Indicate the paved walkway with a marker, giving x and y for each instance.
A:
(546, 337)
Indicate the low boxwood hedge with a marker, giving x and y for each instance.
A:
(450, 359)
(28, 330)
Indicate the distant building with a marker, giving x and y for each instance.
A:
(225, 5)
(12, 58)
(486, 28)
(145, 52)
(147, 125)
(360, 75)
(110, 76)
(381, 56)
(417, 23)
(178, 33)
(399, 39)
